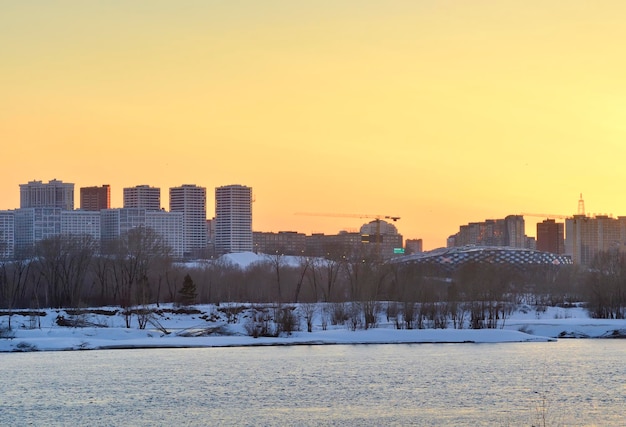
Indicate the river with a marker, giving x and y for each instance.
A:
(569, 382)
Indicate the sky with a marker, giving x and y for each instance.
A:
(439, 112)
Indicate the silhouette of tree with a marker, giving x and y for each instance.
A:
(188, 292)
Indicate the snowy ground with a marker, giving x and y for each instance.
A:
(209, 328)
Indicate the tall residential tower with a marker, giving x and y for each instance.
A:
(191, 201)
(54, 194)
(95, 198)
(143, 196)
(233, 219)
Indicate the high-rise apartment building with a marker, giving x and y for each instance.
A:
(587, 236)
(168, 225)
(142, 196)
(116, 222)
(95, 198)
(33, 225)
(7, 235)
(551, 236)
(54, 194)
(492, 232)
(190, 200)
(233, 219)
(81, 223)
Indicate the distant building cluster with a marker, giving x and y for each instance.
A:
(47, 210)
(509, 232)
(586, 236)
(580, 237)
(377, 237)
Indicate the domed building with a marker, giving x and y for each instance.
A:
(449, 259)
(383, 233)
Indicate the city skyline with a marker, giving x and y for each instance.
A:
(137, 196)
(438, 112)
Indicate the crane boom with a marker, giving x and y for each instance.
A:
(343, 215)
(540, 215)
(376, 218)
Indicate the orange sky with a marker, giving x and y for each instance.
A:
(440, 112)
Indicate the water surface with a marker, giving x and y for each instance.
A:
(570, 382)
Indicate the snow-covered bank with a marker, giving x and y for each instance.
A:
(207, 327)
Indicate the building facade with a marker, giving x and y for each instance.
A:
(142, 196)
(508, 231)
(587, 236)
(551, 236)
(116, 222)
(7, 235)
(81, 223)
(168, 225)
(383, 237)
(54, 194)
(190, 201)
(95, 198)
(233, 219)
(413, 246)
(33, 225)
(283, 242)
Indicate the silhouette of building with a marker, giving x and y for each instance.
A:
(448, 260)
(190, 200)
(383, 236)
(143, 196)
(341, 245)
(492, 232)
(233, 219)
(283, 242)
(54, 194)
(586, 237)
(7, 235)
(95, 198)
(551, 236)
(413, 246)
(376, 240)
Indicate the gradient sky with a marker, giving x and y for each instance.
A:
(440, 112)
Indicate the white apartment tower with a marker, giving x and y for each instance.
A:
(54, 194)
(190, 200)
(233, 219)
(142, 196)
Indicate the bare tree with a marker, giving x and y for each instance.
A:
(101, 267)
(308, 310)
(304, 262)
(277, 261)
(138, 251)
(13, 278)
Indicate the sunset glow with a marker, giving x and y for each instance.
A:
(438, 112)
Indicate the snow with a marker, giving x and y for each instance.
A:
(246, 259)
(108, 331)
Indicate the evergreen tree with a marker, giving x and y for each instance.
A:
(188, 291)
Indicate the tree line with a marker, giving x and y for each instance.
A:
(137, 269)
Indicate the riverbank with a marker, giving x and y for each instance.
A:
(229, 326)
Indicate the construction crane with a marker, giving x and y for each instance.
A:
(547, 216)
(376, 218)
(581, 211)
